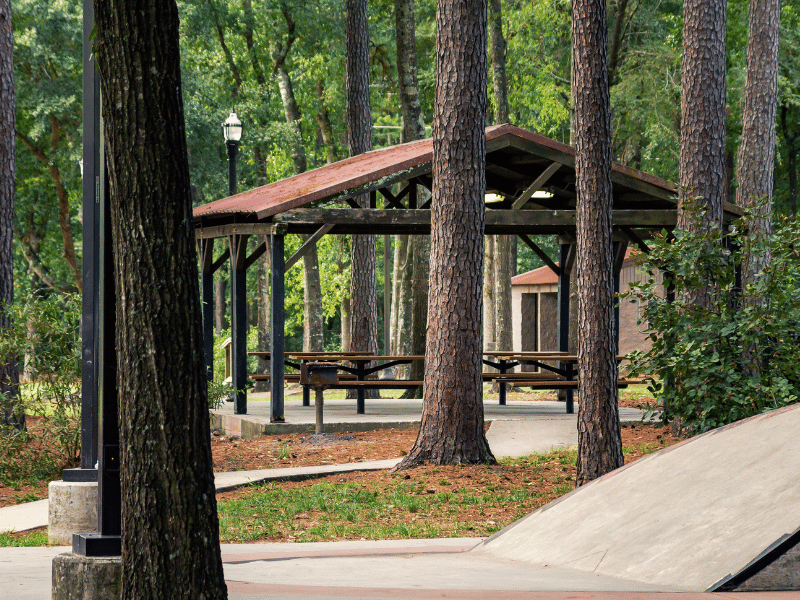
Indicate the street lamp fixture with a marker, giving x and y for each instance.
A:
(232, 130)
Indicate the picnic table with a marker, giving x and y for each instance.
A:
(359, 372)
(562, 376)
(362, 372)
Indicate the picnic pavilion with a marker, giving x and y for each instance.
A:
(533, 178)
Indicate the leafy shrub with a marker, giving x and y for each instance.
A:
(702, 357)
(45, 338)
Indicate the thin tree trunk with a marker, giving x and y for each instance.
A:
(504, 264)
(413, 287)
(488, 294)
(452, 425)
(419, 316)
(413, 123)
(325, 127)
(363, 255)
(791, 140)
(402, 301)
(599, 439)
(498, 45)
(64, 217)
(170, 532)
(263, 325)
(313, 330)
(221, 299)
(9, 371)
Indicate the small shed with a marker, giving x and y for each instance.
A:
(534, 310)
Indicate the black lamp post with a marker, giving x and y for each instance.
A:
(232, 129)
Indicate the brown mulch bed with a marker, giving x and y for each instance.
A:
(297, 450)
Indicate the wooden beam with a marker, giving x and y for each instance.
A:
(237, 245)
(535, 186)
(205, 249)
(570, 262)
(307, 245)
(257, 253)
(634, 237)
(619, 258)
(498, 219)
(540, 253)
(223, 231)
(221, 260)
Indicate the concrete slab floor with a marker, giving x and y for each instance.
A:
(395, 569)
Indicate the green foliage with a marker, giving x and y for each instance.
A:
(702, 357)
(45, 338)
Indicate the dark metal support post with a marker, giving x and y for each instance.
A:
(207, 291)
(563, 318)
(278, 318)
(238, 244)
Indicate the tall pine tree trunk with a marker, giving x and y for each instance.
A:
(702, 156)
(9, 372)
(452, 412)
(756, 158)
(170, 532)
(599, 439)
(363, 255)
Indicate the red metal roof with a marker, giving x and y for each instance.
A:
(337, 179)
(545, 276)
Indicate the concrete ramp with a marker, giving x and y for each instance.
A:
(719, 511)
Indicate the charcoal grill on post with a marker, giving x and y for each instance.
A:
(319, 376)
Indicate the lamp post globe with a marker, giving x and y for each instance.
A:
(232, 130)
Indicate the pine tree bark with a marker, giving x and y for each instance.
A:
(170, 533)
(756, 157)
(599, 439)
(452, 412)
(702, 154)
(9, 372)
(363, 256)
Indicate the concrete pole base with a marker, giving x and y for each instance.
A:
(72, 508)
(77, 577)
